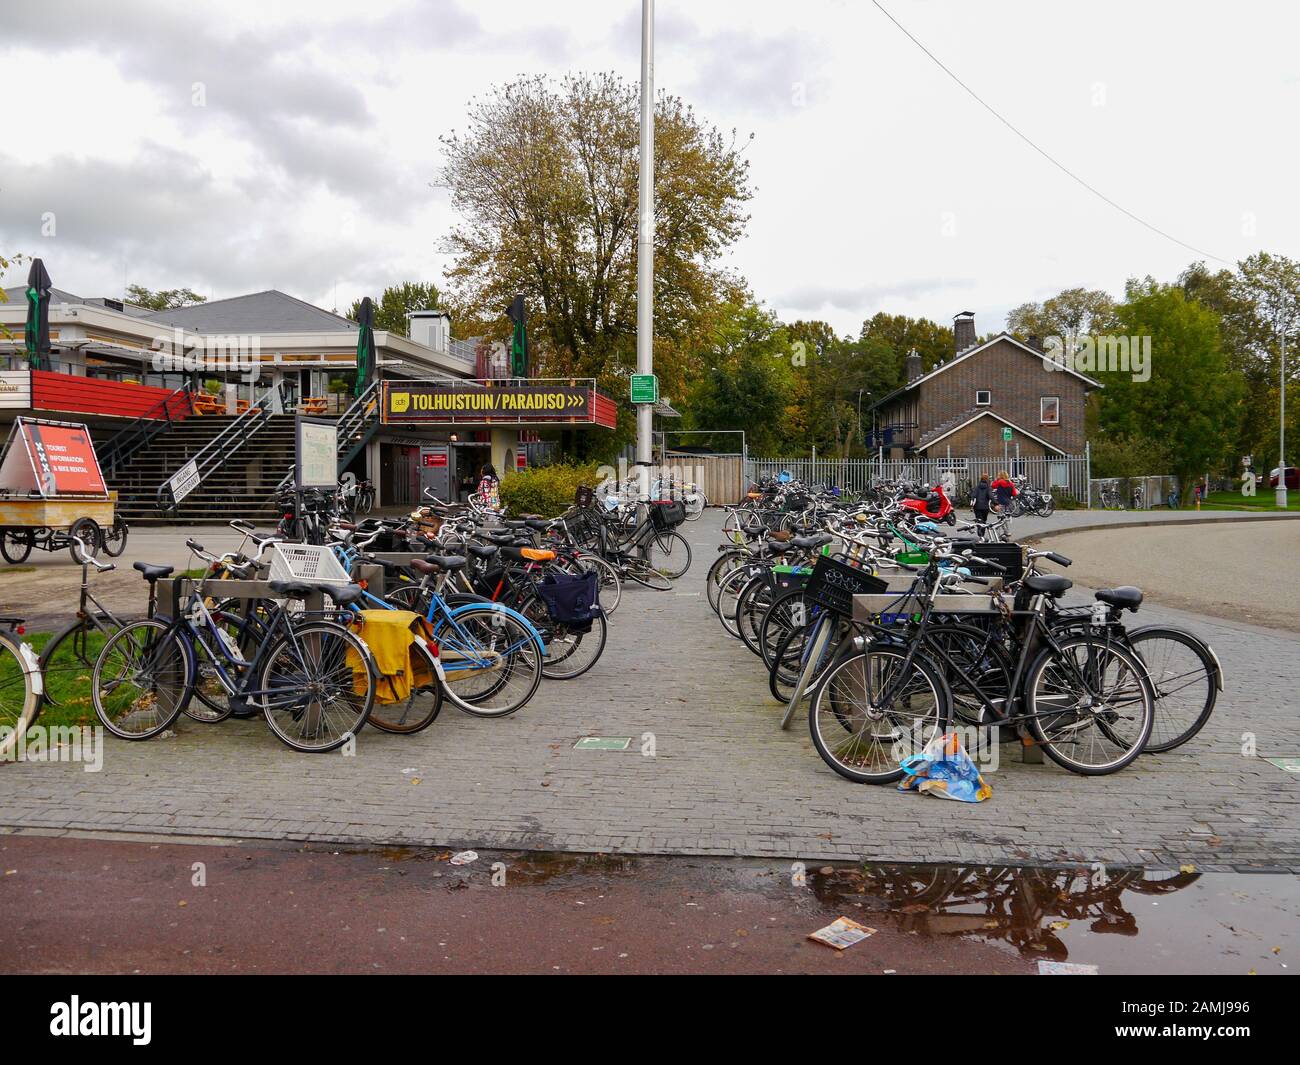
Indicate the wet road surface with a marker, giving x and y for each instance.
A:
(100, 905)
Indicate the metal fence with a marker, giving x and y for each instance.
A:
(1134, 493)
(1063, 475)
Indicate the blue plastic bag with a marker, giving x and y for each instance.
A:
(945, 770)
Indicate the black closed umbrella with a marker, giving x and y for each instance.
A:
(37, 331)
(365, 345)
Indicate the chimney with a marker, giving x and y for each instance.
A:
(963, 330)
(1035, 342)
(912, 365)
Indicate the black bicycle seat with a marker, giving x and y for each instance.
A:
(1052, 584)
(291, 589)
(345, 594)
(807, 543)
(482, 550)
(152, 572)
(1126, 597)
(438, 563)
(540, 524)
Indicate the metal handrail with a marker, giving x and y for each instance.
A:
(218, 450)
(133, 437)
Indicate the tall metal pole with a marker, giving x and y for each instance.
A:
(645, 259)
(1279, 495)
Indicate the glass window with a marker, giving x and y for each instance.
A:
(1049, 408)
(983, 397)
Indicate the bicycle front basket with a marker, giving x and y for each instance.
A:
(308, 563)
(667, 514)
(833, 584)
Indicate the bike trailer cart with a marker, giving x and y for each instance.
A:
(53, 495)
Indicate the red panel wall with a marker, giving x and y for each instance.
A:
(90, 395)
(606, 411)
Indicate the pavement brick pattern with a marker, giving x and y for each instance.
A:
(723, 778)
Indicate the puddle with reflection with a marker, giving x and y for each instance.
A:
(1120, 919)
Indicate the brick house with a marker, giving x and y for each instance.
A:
(963, 405)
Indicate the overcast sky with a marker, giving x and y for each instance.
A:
(880, 184)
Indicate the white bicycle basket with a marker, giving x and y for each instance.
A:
(308, 563)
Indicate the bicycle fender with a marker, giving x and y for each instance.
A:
(501, 608)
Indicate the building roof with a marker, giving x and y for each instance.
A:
(927, 444)
(970, 352)
(271, 311)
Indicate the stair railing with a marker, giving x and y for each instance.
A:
(219, 450)
(123, 446)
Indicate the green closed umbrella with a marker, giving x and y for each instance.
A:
(37, 331)
(365, 346)
(519, 339)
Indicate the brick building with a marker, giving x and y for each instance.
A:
(964, 404)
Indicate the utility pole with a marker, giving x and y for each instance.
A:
(645, 257)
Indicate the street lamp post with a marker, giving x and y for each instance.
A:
(1279, 496)
(645, 258)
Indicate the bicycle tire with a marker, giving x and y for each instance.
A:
(417, 712)
(1056, 750)
(16, 545)
(18, 670)
(1165, 709)
(170, 662)
(69, 651)
(294, 674)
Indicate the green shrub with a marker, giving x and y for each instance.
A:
(546, 490)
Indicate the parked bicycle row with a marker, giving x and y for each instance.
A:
(380, 624)
(893, 628)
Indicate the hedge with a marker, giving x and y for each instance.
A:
(546, 490)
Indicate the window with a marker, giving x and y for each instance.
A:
(983, 397)
(1049, 410)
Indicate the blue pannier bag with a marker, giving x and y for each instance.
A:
(572, 599)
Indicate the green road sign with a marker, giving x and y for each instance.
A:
(1006, 432)
(603, 743)
(645, 388)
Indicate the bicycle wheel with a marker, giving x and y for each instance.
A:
(788, 611)
(725, 563)
(755, 602)
(977, 654)
(669, 554)
(859, 734)
(1090, 705)
(786, 663)
(492, 662)
(731, 596)
(415, 713)
(212, 702)
(19, 701)
(88, 532)
(142, 679)
(639, 570)
(16, 545)
(1185, 680)
(569, 653)
(115, 537)
(68, 660)
(315, 689)
(611, 586)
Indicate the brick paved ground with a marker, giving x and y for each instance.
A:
(724, 779)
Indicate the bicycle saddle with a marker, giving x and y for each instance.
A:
(482, 550)
(152, 572)
(1052, 584)
(775, 548)
(1126, 597)
(807, 543)
(435, 563)
(291, 589)
(515, 524)
(344, 594)
(537, 523)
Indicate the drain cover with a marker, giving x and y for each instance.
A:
(603, 743)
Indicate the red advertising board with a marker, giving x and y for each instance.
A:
(63, 459)
(435, 459)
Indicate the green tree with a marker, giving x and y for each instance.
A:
(746, 380)
(397, 302)
(1073, 312)
(545, 181)
(166, 299)
(1190, 406)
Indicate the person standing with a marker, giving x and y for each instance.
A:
(489, 487)
(981, 499)
(1004, 489)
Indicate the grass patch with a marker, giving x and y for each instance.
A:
(1236, 501)
(67, 680)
